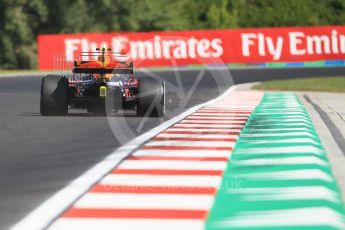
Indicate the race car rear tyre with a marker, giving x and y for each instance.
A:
(151, 97)
(114, 100)
(54, 95)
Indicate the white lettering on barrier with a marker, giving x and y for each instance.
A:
(216, 45)
(342, 43)
(180, 52)
(275, 50)
(318, 44)
(296, 40)
(335, 48)
(118, 43)
(263, 42)
(156, 48)
(247, 41)
(301, 44)
(71, 45)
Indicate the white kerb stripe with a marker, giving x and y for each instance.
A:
(221, 130)
(218, 117)
(229, 114)
(127, 224)
(192, 143)
(211, 122)
(170, 164)
(208, 125)
(145, 201)
(154, 180)
(184, 153)
(203, 136)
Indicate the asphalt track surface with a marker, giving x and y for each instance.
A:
(41, 155)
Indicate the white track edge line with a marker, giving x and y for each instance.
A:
(50, 209)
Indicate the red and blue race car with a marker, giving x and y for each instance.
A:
(103, 83)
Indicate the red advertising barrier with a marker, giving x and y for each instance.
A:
(286, 44)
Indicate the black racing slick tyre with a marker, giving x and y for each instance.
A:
(114, 100)
(54, 95)
(151, 97)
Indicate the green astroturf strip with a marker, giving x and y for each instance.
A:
(278, 176)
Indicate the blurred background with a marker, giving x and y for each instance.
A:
(22, 20)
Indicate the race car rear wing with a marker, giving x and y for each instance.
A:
(103, 70)
(110, 65)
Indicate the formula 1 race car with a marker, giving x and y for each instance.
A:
(100, 85)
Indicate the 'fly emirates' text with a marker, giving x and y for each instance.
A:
(298, 44)
(156, 48)
(293, 43)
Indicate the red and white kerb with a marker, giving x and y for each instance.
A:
(171, 181)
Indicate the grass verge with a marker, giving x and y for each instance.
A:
(326, 84)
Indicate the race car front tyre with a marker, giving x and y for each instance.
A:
(54, 95)
(151, 97)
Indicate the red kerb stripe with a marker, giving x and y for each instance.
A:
(201, 132)
(214, 119)
(180, 126)
(169, 172)
(174, 158)
(134, 213)
(192, 139)
(217, 111)
(187, 148)
(212, 123)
